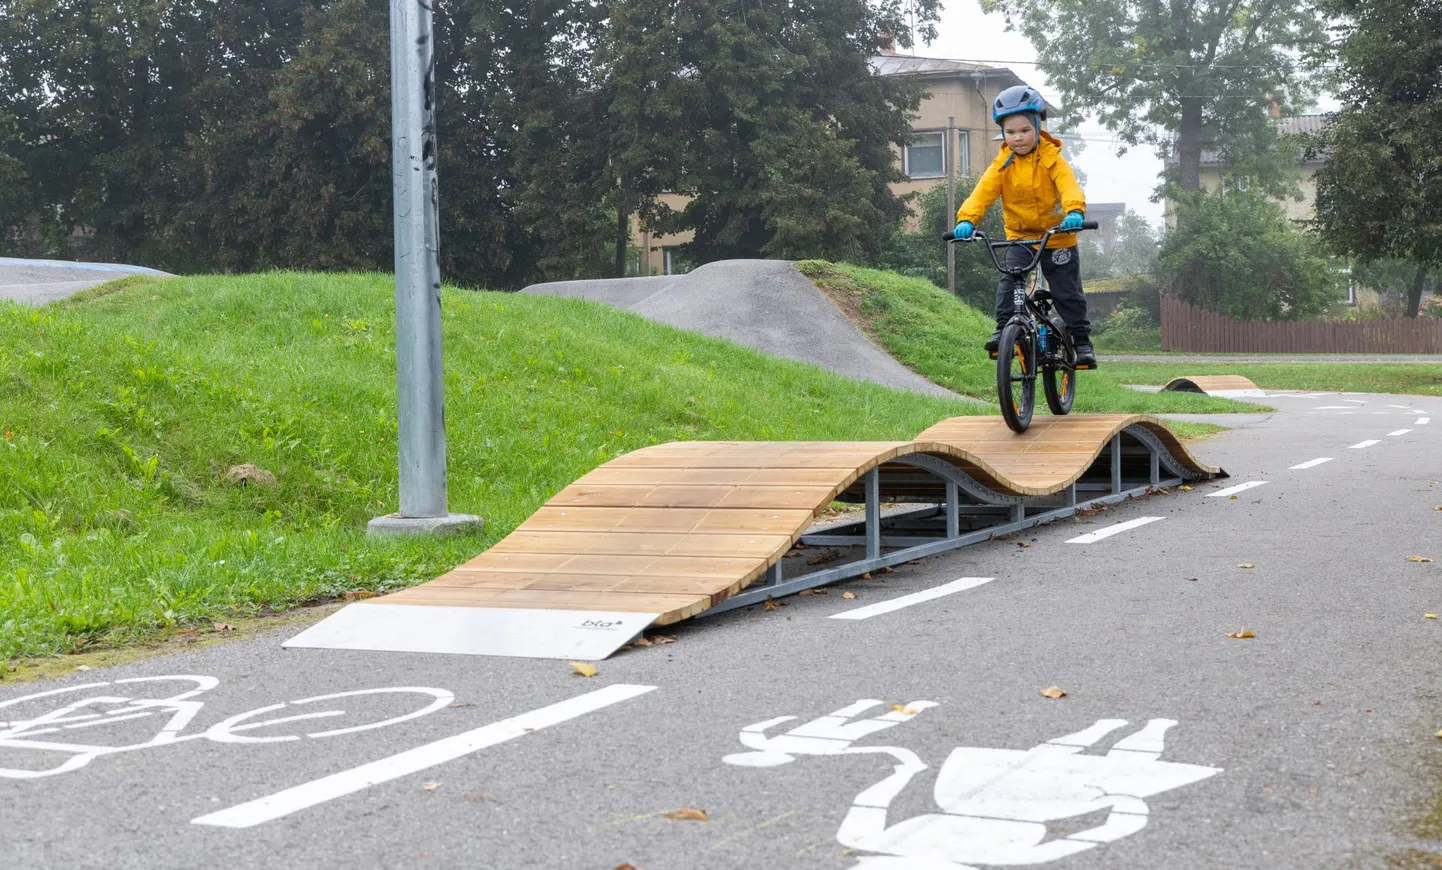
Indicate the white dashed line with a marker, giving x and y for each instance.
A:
(1311, 463)
(1332, 408)
(1398, 432)
(291, 800)
(1403, 407)
(1355, 401)
(1092, 537)
(914, 598)
(1241, 487)
(1422, 421)
(1364, 444)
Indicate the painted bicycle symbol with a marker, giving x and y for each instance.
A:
(99, 719)
(997, 806)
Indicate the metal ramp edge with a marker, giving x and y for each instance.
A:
(1222, 386)
(688, 529)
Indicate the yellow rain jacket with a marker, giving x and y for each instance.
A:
(1037, 190)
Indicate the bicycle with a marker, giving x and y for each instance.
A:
(1035, 337)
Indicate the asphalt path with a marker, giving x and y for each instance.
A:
(1307, 745)
(36, 282)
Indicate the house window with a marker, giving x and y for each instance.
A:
(963, 152)
(673, 262)
(925, 156)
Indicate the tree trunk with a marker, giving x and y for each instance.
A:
(1414, 294)
(623, 235)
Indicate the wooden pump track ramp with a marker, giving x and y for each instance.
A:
(700, 527)
(1223, 386)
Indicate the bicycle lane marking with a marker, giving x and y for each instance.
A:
(1311, 463)
(300, 797)
(913, 598)
(1091, 537)
(1233, 490)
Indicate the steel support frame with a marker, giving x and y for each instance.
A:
(1007, 513)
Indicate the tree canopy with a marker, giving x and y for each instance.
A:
(1379, 195)
(1181, 75)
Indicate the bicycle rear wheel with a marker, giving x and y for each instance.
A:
(1060, 388)
(1015, 377)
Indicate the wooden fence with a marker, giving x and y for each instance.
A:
(1187, 328)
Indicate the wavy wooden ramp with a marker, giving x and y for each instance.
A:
(1224, 386)
(669, 532)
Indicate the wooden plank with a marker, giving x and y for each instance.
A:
(671, 566)
(549, 600)
(737, 520)
(578, 582)
(696, 496)
(628, 543)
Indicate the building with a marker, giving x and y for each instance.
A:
(1214, 175)
(958, 99)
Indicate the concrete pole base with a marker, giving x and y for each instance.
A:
(450, 524)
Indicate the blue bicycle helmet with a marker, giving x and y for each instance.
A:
(1015, 100)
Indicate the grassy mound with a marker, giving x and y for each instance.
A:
(129, 417)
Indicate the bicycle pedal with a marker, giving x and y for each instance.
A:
(991, 354)
(1085, 368)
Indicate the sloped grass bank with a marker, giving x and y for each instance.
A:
(125, 414)
(941, 339)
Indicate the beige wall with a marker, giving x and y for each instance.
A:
(1297, 210)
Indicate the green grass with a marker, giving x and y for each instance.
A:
(942, 339)
(1417, 379)
(121, 412)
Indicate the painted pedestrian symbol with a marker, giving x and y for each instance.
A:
(995, 804)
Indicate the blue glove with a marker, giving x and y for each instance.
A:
(963, 231)
(1072, 221)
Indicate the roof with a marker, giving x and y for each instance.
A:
(1297, 125)
(905, 64)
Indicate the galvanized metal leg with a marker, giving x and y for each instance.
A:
(1071, 496)
(1156, 461)
(1116, 463)
(953, 510)
(773, 574)
(1018, 513)
(873, 514)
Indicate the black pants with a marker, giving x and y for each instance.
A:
(1062, 270)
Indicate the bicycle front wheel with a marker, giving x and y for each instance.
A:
(1016, 376)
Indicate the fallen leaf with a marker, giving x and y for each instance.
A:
(223, 626)
(689, 815)
(904, 710)
(1439, 508)
(1192, 579)
(624, 867)
(770, 605)
(583, 669)
(1429, 616)
(1418, 559)
(884, 570)
(359, 594)
(1240, 634)
(640, 641)
(661, 639)
(1022, 544)
(866, 576)
(1184, 488)
(1231, 498)
(1439, 735)
(1246, 565)
(815, 592)
(1053, 692)
(848, 595)
(431, 786)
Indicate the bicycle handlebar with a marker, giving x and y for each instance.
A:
(1040, 244)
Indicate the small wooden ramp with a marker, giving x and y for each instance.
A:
(673, 531)
(1223, 386)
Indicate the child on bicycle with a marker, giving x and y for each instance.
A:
(1038, 191)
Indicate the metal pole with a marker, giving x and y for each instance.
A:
(419, 400)
(948, 152)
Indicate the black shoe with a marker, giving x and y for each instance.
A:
(994, 342)
(1086, 357)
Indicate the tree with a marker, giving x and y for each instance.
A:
(1242, 257)
(1181, 75)
(778, 131)
(1131, 251)
(1379, 192)
(921, 253)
